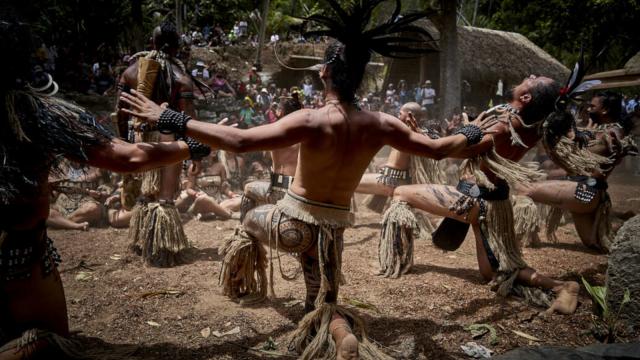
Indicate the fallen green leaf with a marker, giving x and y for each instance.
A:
(479, 330)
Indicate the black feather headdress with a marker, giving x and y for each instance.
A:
(357, 39)
(560, 122)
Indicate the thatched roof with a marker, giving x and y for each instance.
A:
(634, 62)
(627, 76)
(488, 55)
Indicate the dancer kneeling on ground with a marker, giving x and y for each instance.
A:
(284, 163)
(482, 198)
(584, 194)
(402, 169)
(36, 131)
(337, 143)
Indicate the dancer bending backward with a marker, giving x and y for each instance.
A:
(337, 142)
(585, 194)
(482, 196)
(36, 131)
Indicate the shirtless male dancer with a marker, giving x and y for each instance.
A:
(397, 169)
(401, 169)
(482, 195)
(36, 130)
(585, 194)
(284, 162)
(337, 143)
(156, 230)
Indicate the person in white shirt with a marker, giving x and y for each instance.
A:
(428, 95)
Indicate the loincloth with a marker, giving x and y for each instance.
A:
(259, 193)
(295, 224)
(587, 188)
(497, 231)
(20, 251)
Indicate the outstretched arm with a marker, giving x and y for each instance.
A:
(293, 128)
(401, 137)
(124, 157)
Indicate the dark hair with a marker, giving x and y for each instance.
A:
(612, 102)
(557, 125)
(165, 37)
(290, 104)
(347, 67)
(543, 99)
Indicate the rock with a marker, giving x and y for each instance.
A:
(591, 352)
(623, 272)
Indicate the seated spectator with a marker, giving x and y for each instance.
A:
(254, 77)
(270, 115)
(240, 89)
(246, 114)
(220, 85)
(259, 118)
(200, 71)
(263, 100)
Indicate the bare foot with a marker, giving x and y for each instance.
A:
(347, 349)
(567, 298)
(84, 226)
(346, 342)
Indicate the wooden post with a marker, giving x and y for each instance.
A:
(449, 61)
(179, 16)
(263, 28)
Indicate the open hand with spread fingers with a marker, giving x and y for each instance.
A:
(142, 108)
(485, 122)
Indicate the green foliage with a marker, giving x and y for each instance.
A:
(562, 26)
(558, 26)
(608, 320)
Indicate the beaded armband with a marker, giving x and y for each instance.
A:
(196, 149)
(473, 133)
(173, 122)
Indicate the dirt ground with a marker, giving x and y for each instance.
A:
(115, 301)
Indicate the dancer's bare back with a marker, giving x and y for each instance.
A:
(337, 143)
(285, 160)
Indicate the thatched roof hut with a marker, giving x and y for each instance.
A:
(629, 75)
(486, 56)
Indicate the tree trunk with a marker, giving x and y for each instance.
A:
(449, 61)
(263, 28)
(179, 16)
(137, 31)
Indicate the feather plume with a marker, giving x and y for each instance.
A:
(396, 37)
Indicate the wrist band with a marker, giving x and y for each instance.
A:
(173, 122)
(197, 149)
(473, 133)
